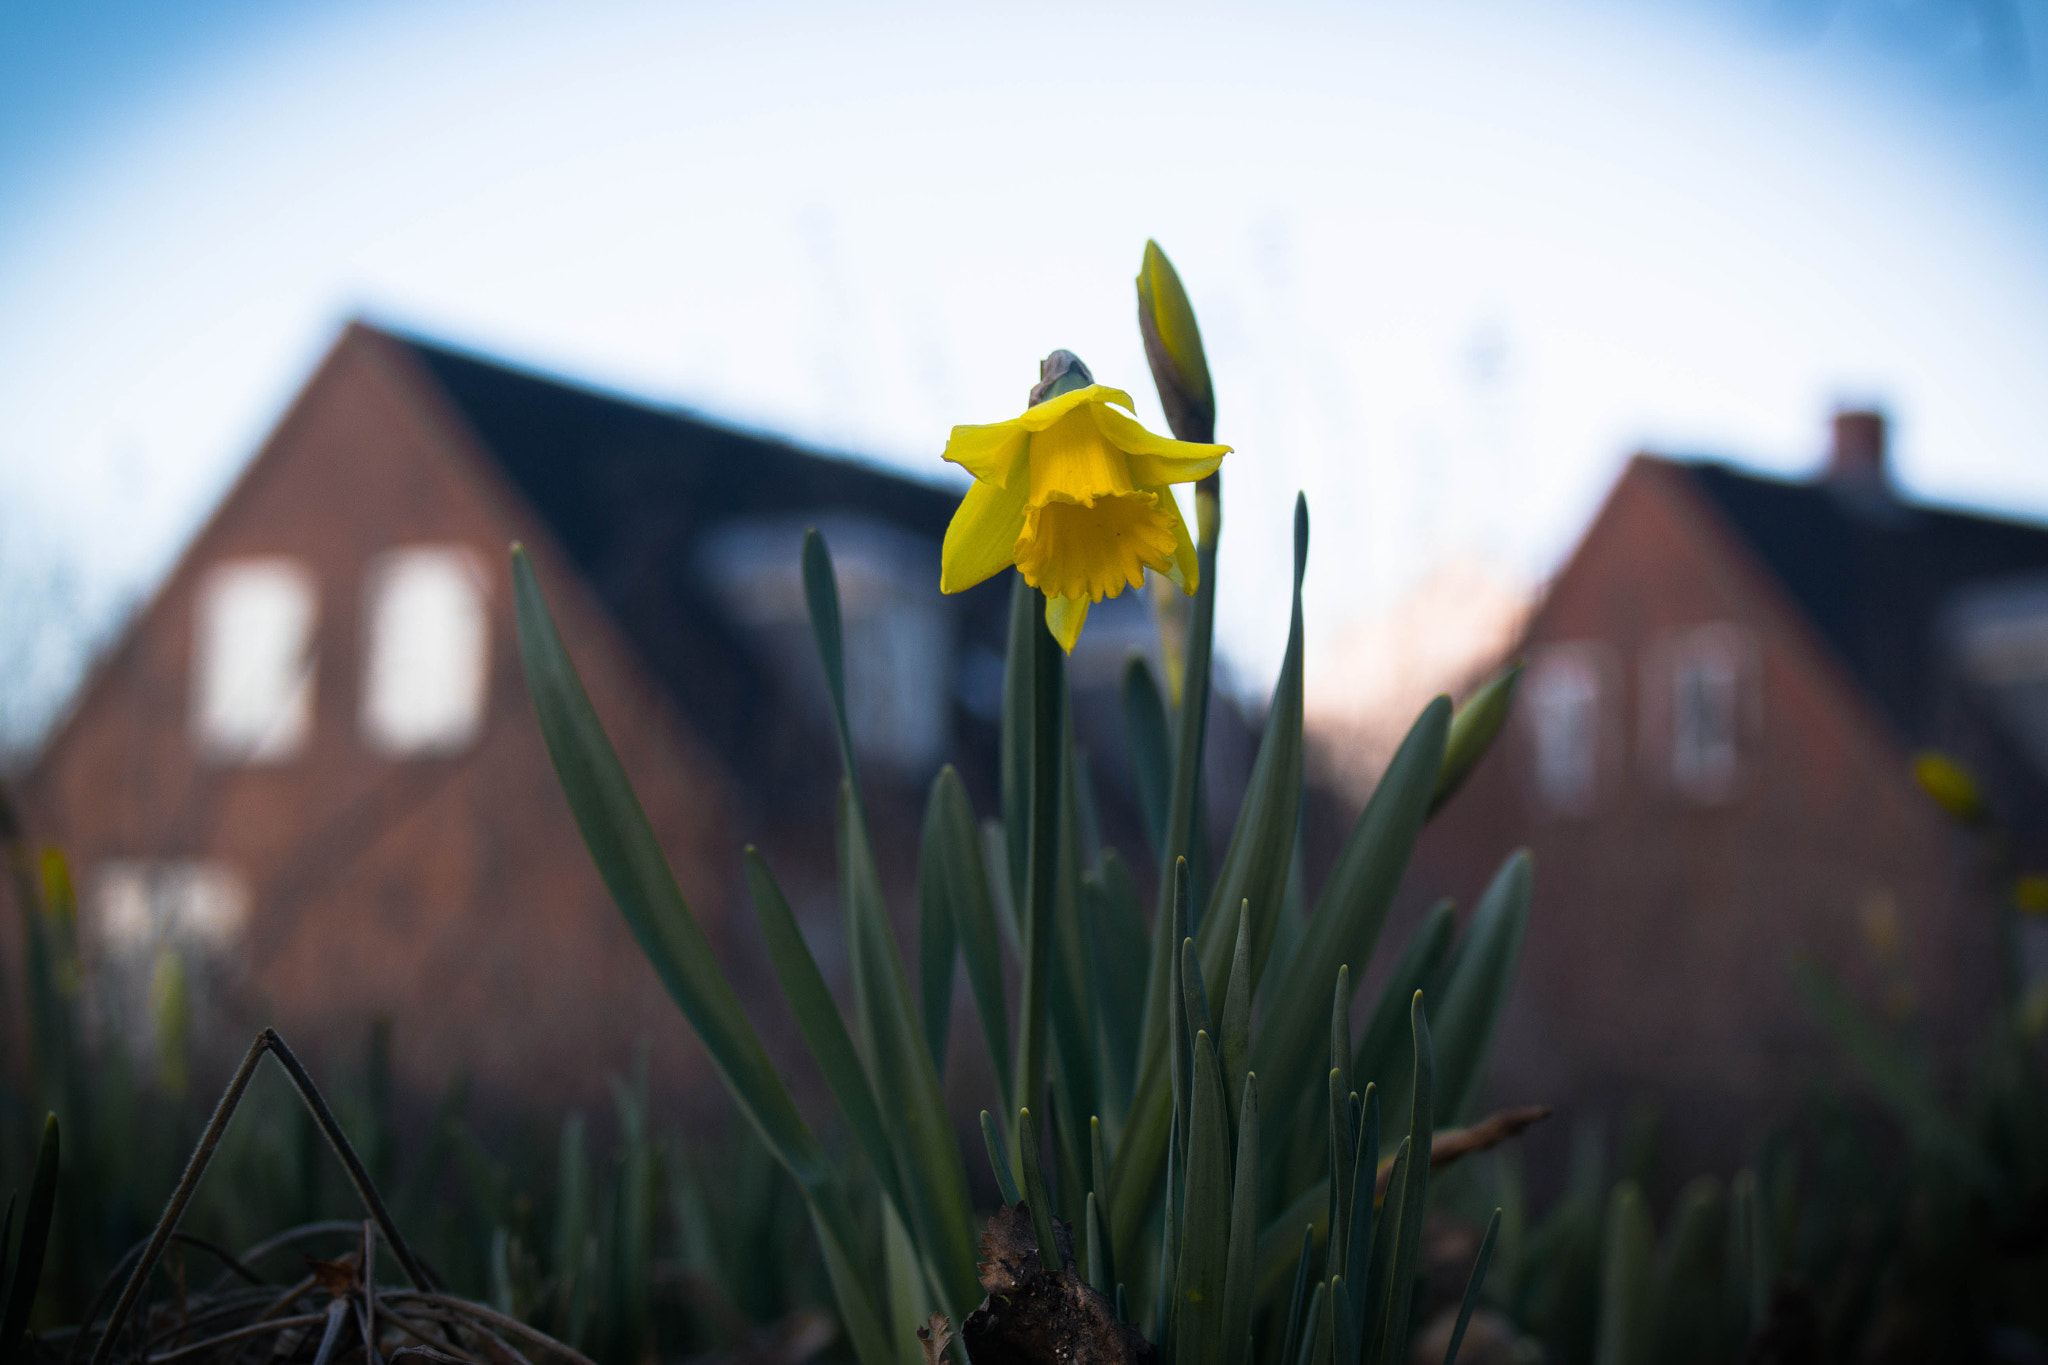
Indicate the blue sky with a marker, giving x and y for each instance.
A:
(1455, 260)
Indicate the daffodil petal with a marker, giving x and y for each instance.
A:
(981, 540)
(1064, 617)
(1186, 569)
(993, 452)
(1052, 409)
(1156, 459)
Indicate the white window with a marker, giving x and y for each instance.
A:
(142, 906)
(252, 696)
(428, 650)
(1698, 690)
(1567, 713)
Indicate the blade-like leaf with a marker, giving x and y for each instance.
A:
(824, 1031)
(1240, 1276)
(1472, 1288)
(1482, 975)
(630, 862)
(1378, 1279)
(999, 1159)
(953, 851)
(1099, 1273)
(1141, 1152)
(1036, 1197)
(1098, 1199)
(1236, 1049)
(1408, 1229)
(1290, 1343)
(941, 1220)
(1627, 1264)
(1151, 750)
(27, 1272)
(1118, 938)
(1205, 1233)
(1347, 919)
(938, 946)
(1255, 867)
(1383, 1049)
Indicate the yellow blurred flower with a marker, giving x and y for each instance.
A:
(1075, 494)
(1949, 784)
(2030, 893)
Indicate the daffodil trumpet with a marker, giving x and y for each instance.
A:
(1077, 495)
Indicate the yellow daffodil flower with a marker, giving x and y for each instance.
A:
(1075, 494)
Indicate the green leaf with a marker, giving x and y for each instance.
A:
(35, 1240)
(1473, 729)
(1290, 1344)
(630, 861)
(1384, 1049)
(999, 1160)
(824, 1031)
(1151, 750)
(1472, 1288)
(1895, 1077)
(1340, 1030)
(1073, 999)
(953, 863)
(1205, 1233)
(1407, 1260)
(1365, 1170)
(1379, 1279)
(850, 1275)
(1142, 1151)
(920, 1129)
(1625, 1279)
(1255, 867)
(1118, 938)
(938, 946)
(906, 1082)
(1237, 1022)
(1100, 1277)
(1481, 977)
(1344, 1346)
(1240, 1276)
(821, 596)
(1035, 1195)
(1347, 918)
(1098, 1201)
(1314, 1327)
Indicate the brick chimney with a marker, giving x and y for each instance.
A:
(1857, 459)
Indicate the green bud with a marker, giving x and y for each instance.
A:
(1173, 346)
(1473, 729)
(1061, 372)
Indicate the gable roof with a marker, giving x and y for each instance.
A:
(1876, 577)
(631, 492)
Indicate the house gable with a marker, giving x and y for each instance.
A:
(1667, 917)
(447, 892)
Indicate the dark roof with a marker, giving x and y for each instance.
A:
(1875, 576)
(630, 491)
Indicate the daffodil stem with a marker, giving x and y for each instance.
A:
(1047, 665)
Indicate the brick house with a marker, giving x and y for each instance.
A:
(310, 772)
(1711, 760)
